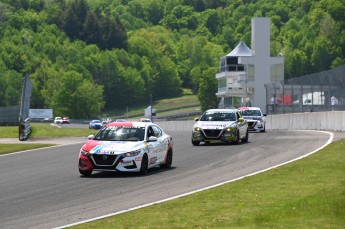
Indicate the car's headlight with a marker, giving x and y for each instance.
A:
(84, 152)
(196, 128)
(132, 153)
(231, 128)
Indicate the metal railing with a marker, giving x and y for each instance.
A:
(323, 91)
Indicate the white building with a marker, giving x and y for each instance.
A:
(244, 71)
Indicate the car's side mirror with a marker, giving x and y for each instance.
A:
(153, 139)
(265, 115)
(91, 136)
(196, 119)
(241, 119)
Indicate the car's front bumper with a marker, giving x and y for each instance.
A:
(254, 125)
(210, 135)
(115, 163)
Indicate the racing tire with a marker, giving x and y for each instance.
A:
(168, 160)
(195, 143)
(85, 172)
(246, 138)
(238, 138)
(144, 165)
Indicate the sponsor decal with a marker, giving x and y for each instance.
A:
(153, 160)
(212, 125)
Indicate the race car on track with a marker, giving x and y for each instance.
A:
(57, 120)
(126, 147)
(95, 124)
(255, 118)
(226, 125)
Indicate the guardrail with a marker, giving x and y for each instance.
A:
(24, 129)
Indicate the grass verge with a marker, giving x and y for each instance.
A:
(45, 130)
(158, 105)
(11, 148)
(309, 193)
(38, 130)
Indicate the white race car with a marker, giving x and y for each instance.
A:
(255, 118)
(126, 147)
(225, 125)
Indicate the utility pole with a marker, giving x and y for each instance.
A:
(151, 107)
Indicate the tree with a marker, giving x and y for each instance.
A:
(73, 18)
(113, 34)
(207, 89)
(212, 23)
(77, 97)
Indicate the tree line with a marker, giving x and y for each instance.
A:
(87, 56)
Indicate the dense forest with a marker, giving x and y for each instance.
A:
(87, 56)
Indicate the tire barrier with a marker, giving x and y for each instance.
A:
(24, 129)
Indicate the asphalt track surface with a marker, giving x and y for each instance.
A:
(43, 189)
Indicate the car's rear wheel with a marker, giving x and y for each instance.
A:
(195, 143)
(85, 172)
(168, 160)
(144, 165)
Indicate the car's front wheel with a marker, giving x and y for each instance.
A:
(245, 139)
(195, 143)
(85, 172)
(144, 165)
(238, 138)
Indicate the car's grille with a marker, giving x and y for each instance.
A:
(104, 159)
(251, 123)
(212, 133)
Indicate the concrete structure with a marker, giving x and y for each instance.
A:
(231, 78)
(254, 69)
(324, 121)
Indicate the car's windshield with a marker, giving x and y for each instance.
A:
(250, 113)
(121, 133)
(218, 116)
(96, 121)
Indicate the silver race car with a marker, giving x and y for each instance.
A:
(255, 118)
(220, 125)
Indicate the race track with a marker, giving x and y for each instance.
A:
(43, 188)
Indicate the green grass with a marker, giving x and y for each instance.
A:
(11, 148)
(45, 130)
(158, 105)
(308, 193)
(38, 130)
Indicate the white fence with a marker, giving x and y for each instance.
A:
(332, 121)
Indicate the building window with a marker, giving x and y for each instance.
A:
(222, 85)
(250, 72)
(277, 72)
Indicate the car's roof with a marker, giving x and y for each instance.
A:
(222, 110)
(249, 108)
(138, 124)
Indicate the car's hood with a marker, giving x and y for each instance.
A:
(213, 125)
(110, 147)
